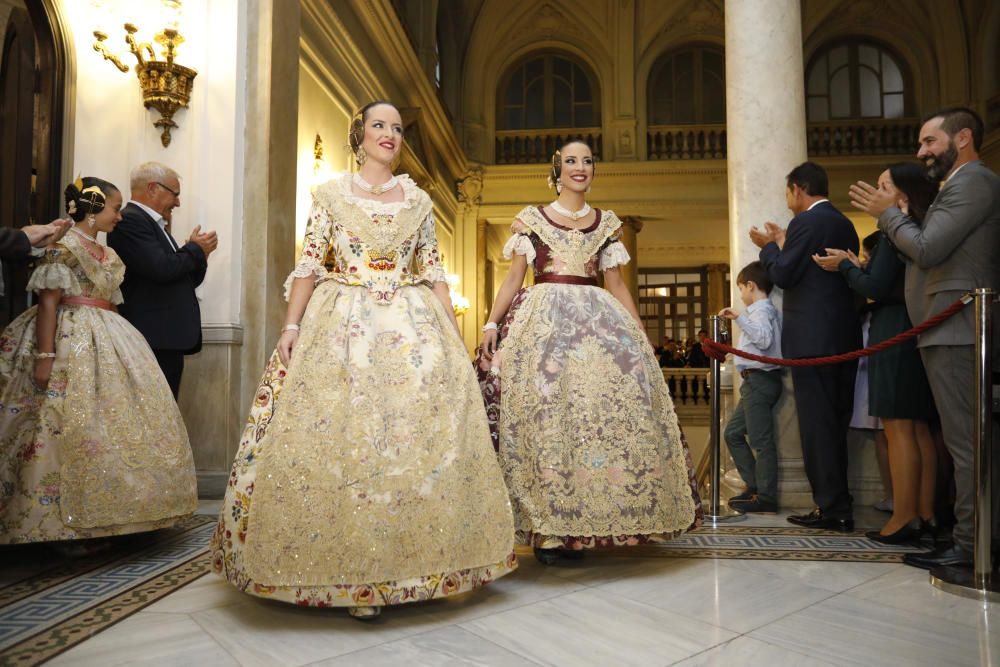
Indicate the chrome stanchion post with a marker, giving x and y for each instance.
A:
(716, 513)
(979, 582)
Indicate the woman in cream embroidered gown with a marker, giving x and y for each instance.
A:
(588, 439)
(365, 475)
(91, 441)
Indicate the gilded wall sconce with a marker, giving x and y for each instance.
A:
(166, 85)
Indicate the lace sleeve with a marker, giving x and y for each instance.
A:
(614, 254)
(53, 273)
(315, 245)
(427, 257)
(520, 242)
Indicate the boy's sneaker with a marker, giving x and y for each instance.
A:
(756, 505)
(743, 497)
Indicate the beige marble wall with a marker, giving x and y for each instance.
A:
(212, 403)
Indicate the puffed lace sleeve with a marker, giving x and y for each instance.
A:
(315, 245)
(54, 273)
(426, 255)
(613, 253)
(519, 242)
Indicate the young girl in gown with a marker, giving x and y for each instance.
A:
(588, 439)
(91, 441)
(365, 475)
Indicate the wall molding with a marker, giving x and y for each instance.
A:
(222, 334)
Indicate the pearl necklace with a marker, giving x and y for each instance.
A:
(375, 189)
(84, 235)
(573, 215)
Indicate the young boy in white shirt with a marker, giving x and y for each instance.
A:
(750, 431)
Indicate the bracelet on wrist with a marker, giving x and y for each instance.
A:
(45, 355)
(290, 327)
(489, 326)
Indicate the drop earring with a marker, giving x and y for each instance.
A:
(92, 222)
(362, 156)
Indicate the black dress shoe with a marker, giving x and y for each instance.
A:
(907, 533)
(945, 555)
(816, 519)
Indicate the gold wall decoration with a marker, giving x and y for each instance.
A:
(166, 85)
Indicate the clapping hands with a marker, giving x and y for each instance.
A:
(833, 258)
(872, 200)
(770, 233)
(207, 241)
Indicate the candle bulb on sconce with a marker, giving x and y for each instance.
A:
(166, 85)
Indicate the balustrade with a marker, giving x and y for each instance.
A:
(537, 146)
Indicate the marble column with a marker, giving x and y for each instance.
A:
(631, 226)
(766, 138)
(717, 297)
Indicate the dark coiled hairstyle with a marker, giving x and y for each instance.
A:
(356, 133)
(911, 179)
(556, 172)
(87, 196)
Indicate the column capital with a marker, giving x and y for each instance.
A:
(717, 268)
(634, 222)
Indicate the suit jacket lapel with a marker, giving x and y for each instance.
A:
(157, 230)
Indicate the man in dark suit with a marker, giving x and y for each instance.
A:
(160, 274)
(696, 355)
(16, 244)
(819, 319)
(954, 252)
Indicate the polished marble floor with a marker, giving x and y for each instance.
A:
(601, 611)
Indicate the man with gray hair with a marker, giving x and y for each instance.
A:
(160, 274)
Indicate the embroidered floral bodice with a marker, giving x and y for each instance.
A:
(69, 266)
(358, 241)
(554, 248)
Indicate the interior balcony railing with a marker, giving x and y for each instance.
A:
(882, 136)
(825, 139)
(688, 385)
(537, 146)
(686, 142)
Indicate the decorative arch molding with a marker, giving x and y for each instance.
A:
(695, 21)
(921, 65)
(501, 38)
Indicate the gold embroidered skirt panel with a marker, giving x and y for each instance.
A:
(365, 474)
(104, 450)
(589, 441)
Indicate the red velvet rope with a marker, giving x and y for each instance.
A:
(719, 350)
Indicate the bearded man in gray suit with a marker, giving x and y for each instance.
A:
(955, 251)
